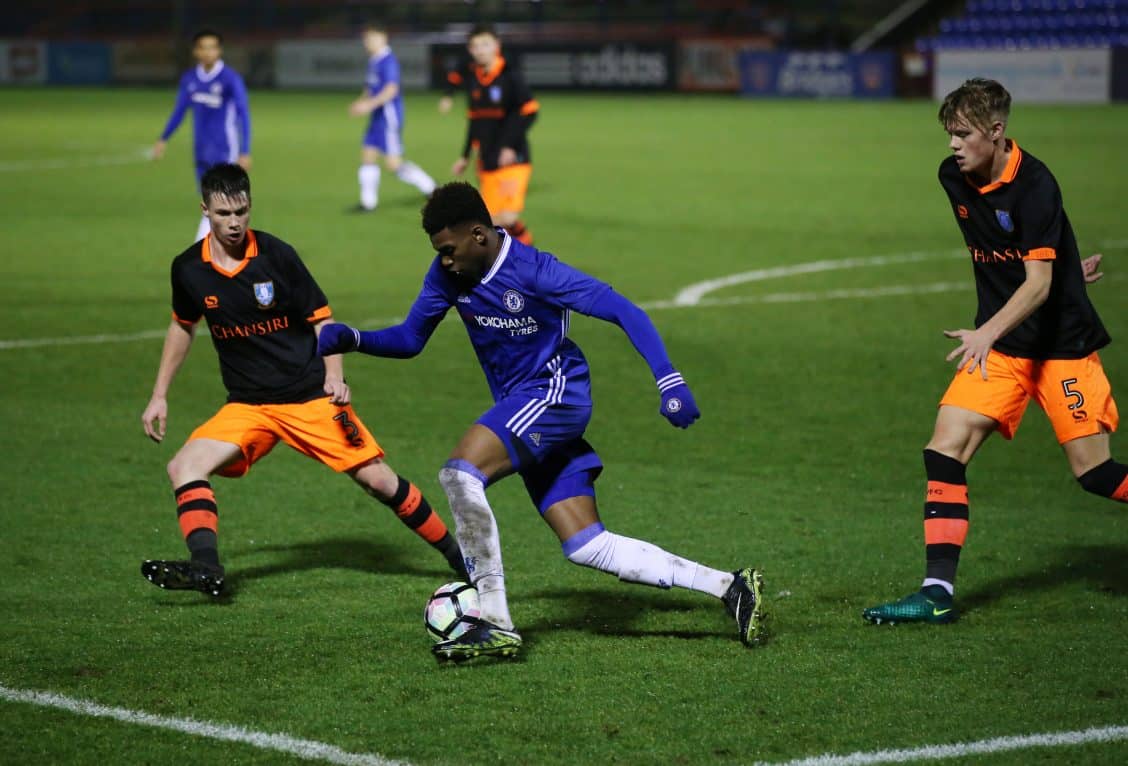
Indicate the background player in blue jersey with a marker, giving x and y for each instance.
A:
(382, 99)
(221, 118)
(515, 301)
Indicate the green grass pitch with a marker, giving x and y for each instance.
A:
(806, 461)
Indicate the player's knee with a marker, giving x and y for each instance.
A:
(505, 218)
(393, 163)
(377, 479)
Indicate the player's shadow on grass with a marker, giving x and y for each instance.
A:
(594, 611)
(1102, 567)
(358, 554)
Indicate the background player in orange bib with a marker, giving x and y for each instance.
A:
(264, 312)
(1036, 336)
(501, 111)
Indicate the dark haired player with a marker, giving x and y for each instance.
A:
(263, 311)
(501, 109)
(515, 302)
(1036, 336)
(221, 118)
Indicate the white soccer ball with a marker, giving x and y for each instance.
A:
(451, 611)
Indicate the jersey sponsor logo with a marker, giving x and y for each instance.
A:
(961, 211)
(264, 294)
(982, 255)
(265, 327)
(515, 325)
(1004, 219)
(212, 100)
(514, 301)
(495, 93)
(211, 301)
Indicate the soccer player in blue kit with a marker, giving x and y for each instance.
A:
(383, 100)
(221, 118)
(515, 301)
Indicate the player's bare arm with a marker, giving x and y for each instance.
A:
(1090, 268)
(244, 161)
(335, 385)
(976, 344)
(178, 341)
(366, 105)
(158, 150)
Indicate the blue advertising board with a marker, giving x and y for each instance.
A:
(817, 74)
(79, 63)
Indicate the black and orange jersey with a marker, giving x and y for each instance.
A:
(501, 111)
(1020, 218)
(260, 316)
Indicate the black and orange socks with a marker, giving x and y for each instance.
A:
(520, 233)
(945, 518)
(199, 518)
(416, 513)
(1109, 479)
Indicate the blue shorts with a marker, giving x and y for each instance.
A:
(384, 133)
(546, 446)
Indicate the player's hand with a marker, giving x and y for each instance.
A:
(974, 347)
(158, 150)
(155, 417)
(359, 108)
(244, 161)
(459, 166)
(1090, 266)
(678, 405)
(338, 390)
(337, 338)
(445, 104)
(506, 157)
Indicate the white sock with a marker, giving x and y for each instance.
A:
(203, 229)
(478, 537)
(942, 583)
(639, 561)
(411, 173)
(369, 177)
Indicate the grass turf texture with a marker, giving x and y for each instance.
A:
(806, 462)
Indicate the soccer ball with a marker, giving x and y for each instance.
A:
(452, 610)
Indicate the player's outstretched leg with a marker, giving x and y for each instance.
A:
(638, 561)
(184, 575)
(483, 640)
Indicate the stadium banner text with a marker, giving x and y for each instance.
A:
(714, 65)
(342, 63)
(817, 74)
(23, 62)
(1062, 76)
(575, 66)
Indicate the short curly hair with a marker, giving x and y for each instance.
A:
(452, 204)
(980, 101)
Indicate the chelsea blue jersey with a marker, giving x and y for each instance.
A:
(517, 318)
(383, 69)
(221, 121)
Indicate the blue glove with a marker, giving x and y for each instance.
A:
(678, 405)
(337, 338)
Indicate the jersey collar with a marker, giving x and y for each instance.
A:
(501, 255)
(203, 76)
(380, 54)
(249, 252)
(1009, 172)
(486, 76)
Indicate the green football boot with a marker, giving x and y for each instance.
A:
(916, 607)
(744, 601)
(483, 640)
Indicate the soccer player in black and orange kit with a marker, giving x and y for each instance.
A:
(1036, 336)
(264, 312)
(501, 111)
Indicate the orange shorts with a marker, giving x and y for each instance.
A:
(504, 189)
(1074, 393)
(319, 429)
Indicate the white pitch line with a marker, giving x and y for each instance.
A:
(302, 748)
(67, 163)
(1103, 734)
(815, 297)
(692, 295)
